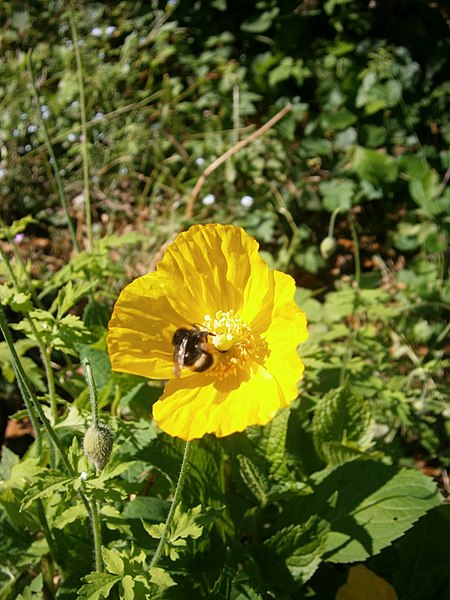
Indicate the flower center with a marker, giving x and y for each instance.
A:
(236, 345)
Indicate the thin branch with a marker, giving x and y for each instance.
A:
(231, 152)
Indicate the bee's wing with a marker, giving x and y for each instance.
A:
(179, 352)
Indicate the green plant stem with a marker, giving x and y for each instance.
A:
(97, 532)
(54, 162)
(335, 213)
(31, 402)
(175, 501)
(18, 371)
(44, 351)
(92, 391)
(84, 138)
(356, 250)
(356, 298)
(48, 537)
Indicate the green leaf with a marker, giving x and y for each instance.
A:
(375, 167)
(148, 508)
(368, 506)
(261, 22)
(69, 295)
(33, 591)
(19, 226)
(342, 421)
(7, 462)
(339, 193)
(113, 561)
(184, 525)
(253, 478)
(424, 570)
(269, 444)
(98, 585)
(161, 578)
(294, 551)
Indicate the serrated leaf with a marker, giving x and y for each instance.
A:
(113, 561)
(253, 479)
(269, 444)
(297, 549)
(47, 485)
(127, 585)
(70, 515)
(342, 420)
(184, 525)
(19, 226)
(161, 578)
(69, 295)
(98, 585)
(374, 504)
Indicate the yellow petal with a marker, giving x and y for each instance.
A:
(141, 330)
(363, 584)
(211, 268)
(284, 330)
(197, 405)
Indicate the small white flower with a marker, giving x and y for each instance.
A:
(27, 148)
(209, 199)
(32, 128)
(110, 29)
(199, 161)
(71, 137)
(246, 201)
(96, 32)
(99, 115)
(83, 476)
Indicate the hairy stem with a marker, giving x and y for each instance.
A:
(175, 501)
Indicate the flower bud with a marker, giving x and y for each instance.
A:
(328, 247)
(97, 445)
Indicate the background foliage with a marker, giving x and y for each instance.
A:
(110, 113)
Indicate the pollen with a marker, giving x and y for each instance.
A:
(235, 345)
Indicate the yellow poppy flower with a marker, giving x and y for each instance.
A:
(236, 360)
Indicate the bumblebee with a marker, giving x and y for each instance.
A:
(191, 350)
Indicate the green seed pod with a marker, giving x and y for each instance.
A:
(328, 247)
(97, 445)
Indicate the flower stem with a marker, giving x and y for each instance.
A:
(92, 391)
(84, 140)
(93, 504)
(175, 501)
(45, 351)
(54, 162)
(32, 404)
(356, 250)
(335, 213)
(97, 531)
